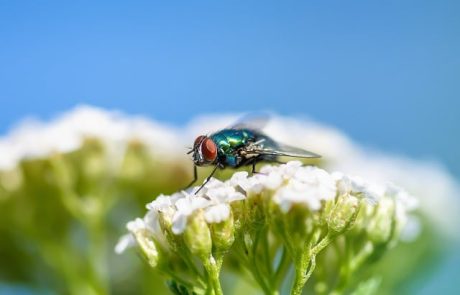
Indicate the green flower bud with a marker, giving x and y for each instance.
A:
(343, 213)
(381, 226)
(147, 247)
(222, 234)
(143, 238)
(10, 181)
(92, 160)
(197, 236)
(165, 220)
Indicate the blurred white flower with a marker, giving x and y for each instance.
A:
(34, 139)
(125, 242)
(354, 186)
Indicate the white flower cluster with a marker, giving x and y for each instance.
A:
(35, 139)
(289, 185)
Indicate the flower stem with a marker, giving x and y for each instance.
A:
(248, 256)
(300, 276)
(281, 269)
(98, 256)
(307, 263)
(212, 269)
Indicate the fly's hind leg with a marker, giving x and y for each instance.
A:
(256, 160)
(253, 163)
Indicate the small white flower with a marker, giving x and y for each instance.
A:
(356, 186)
(160, 203)
(287, 196)
(308, 186)
(411, 229)
(125, 242)
(223, 194)
(401, 196)
(290, 169)
(217, 213)
(214, 183)
(179, 223)
(252, 184)
(238, 177)
(152, 223)
(272, 181)
(136, 225)
(185, 207)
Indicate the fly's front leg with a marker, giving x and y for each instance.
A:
(195, 177)
(208, 178)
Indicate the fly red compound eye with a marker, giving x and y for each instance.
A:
(208, 150)
(198, 140)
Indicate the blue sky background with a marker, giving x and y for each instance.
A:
(385, 72)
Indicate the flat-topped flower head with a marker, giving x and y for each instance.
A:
(287, 184)
(301, 208)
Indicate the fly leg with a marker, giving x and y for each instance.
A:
(256, 160)
(253, 167)
(254, 163)
(208, 178)
(195, 177)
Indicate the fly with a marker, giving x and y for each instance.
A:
(242, 144)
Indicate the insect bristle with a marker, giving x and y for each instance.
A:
(190, 150)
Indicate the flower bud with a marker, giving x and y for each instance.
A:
(10, 181)
(220, 218)
(343, 213)
(93, 160)
(143, 238)
(147, 247)
(165, 217)
(197, 236)
(381, 225)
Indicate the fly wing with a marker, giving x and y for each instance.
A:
(258, 148)
(252, 121)
(290, 151)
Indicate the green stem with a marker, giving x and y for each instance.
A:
(361, 257)
(57, 256)
(349, 264)
(247, 255)
(300, 276)
(305, 265)
(97, 255)
(266, 252)
(283, 266)
(254, 252)
(192, 266)
(178, 279)
(211, 267)
(93, 222)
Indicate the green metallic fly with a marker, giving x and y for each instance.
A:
(242, 144)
